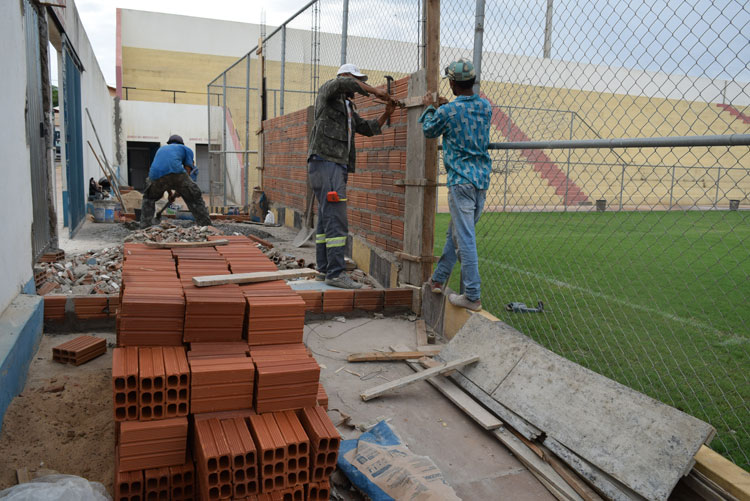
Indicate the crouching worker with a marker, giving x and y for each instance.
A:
(170, 172)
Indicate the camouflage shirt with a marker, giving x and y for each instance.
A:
(332, 137)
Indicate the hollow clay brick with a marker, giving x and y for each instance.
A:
(243, 456)
(213, 461)
(182, 481)
(79, 350)
(129, 485)
(151, 444)
(338, 301)
(125, 383)
(156, 483)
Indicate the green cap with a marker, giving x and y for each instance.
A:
(460, 71)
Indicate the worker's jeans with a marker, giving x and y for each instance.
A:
(333, 227)
(465, 202)
(184, 186)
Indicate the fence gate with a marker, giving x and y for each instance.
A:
(40, 229)
(73, 134)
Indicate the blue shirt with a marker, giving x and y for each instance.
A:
(170, 159)
(465, 126)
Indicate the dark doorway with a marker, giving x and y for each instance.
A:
(201, 160)
(140, 156)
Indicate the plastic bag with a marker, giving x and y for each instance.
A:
(56, 488)
(270, 218)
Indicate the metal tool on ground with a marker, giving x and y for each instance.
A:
(522, 308)
(172, 197)
(308, 228)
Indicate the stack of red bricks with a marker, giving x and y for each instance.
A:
(231, 410)
(152, 304)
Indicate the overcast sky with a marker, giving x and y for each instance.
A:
(99, 19)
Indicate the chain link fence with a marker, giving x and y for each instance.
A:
(639, 254)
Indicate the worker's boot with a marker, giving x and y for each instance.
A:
(343, 281)
(464, 302)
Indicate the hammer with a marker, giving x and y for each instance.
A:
(172, 198)
(388, 82)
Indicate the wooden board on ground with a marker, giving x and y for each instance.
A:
(420, 330)
(723, 473)
(379, 356)
(258, 276)
(171, 245)
(413, 378)
(456, 395)
(637, 441)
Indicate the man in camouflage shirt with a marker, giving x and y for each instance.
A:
(331, 156)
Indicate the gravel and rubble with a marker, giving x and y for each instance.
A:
(98, 271)
(91, 272)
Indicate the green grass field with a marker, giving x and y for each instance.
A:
(659, 301)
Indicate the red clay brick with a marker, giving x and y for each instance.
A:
(125, 383)
(79, 350)
(213, 462)
(152, 444)
(129, 485)
(338, 301)
(182, 481)
(156, 481)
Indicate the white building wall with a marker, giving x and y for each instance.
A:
(155, 122)
(15, 188)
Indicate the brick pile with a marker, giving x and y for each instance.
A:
(79, 350)
(152, 304)
(223, 402)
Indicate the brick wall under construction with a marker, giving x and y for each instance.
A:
(376, 203)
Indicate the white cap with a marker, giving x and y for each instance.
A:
(350, 68)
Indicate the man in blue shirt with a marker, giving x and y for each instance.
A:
(465, 127)
(172, 169)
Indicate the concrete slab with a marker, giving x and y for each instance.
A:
(475, 464)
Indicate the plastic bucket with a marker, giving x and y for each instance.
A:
(104, 211)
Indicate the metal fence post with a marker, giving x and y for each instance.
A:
(507, 167)
(224, 136)
(344, 30)
(548, 31)
(671, 187)
(478, 42)
(622, 184)
(716, 197)
(208, 103)
(246, 194)
(567, 174)
(283, 65)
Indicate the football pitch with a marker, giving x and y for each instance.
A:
(658, 301)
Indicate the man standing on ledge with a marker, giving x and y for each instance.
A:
(465, 127)
(330, 159)
(171, 170)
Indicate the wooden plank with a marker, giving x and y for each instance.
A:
(407, 380)
(23, 476)
(429, 202)
(604, 483)
(456, 395)
(379, 356)
(258, 276)
(704, 487)
(413, 195)
(420, 328)
(172, 245)
(723, 473)
(521, 425)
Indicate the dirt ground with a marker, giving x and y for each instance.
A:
(62, 407)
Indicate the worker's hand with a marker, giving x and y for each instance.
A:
(389, 107)
(382, 95)
(429, 100)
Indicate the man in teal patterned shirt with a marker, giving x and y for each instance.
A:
(465, 127)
